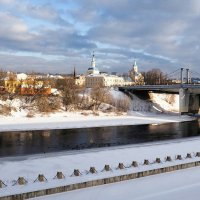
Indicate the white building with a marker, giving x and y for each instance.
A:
(104, 80)
(95, 78)
(22, 76)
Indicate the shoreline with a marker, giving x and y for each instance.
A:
(32, 166)
(74, 120)
(20, 158)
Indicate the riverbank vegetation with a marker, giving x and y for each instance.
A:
(68, 97)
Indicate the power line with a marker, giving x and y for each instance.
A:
(194, 72)
(172, 72)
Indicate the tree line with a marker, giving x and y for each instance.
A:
(155, 77)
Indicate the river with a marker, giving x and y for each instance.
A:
(34, 142)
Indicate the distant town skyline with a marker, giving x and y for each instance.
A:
(53, 36)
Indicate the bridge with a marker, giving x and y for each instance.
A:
(189, 94)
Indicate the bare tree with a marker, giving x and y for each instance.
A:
(70, 93)
(5, 110)
(123, 104)
(98, 96)
(139, 80)
(2, 77)
(154, 77)
(47, 104)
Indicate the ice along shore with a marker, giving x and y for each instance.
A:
(69, 120)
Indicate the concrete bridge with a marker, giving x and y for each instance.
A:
(189, 95)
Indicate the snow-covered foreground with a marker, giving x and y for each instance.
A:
(67, 120)
(49, 164)
(177, 185)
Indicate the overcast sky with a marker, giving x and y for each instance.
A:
(56, 35)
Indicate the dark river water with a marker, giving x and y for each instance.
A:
(32, 142)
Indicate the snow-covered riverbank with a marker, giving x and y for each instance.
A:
(166, 186)
(30, 167)
(67, 120)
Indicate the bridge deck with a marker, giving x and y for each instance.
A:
(195, 89)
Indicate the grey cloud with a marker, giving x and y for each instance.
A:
(44, 12)
(15, 35)
(36, 64)
(157, 33)
(7, 2)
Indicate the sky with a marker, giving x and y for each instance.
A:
(54, 36)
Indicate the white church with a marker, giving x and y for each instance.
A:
(95, 78)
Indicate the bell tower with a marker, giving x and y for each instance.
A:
(93, 61)
(135, 67)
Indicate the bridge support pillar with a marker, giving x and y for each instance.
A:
(184, 97)
(194, 103)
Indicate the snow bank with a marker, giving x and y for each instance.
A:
(116, 94)
(166, 186)
(49, 164)
(168, 102)
(68, 120)
(158, 103)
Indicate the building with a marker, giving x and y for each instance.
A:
(93, 70)
(26, 85)
(104, 80)
(80, 80)
(12, 86)
(136, 77)
(34, 91)
(21, 76)
(95, 78)
(33, 86)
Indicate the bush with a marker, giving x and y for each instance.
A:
(47, 104)
(84, 113)
(55, 103)
(98, 96)
(42, 104)
(30, 114)
(5, 110)
(123, 104)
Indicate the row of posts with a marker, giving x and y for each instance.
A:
(92, 170)
(187, 76)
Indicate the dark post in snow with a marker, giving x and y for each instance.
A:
(22, 181)
(178, 157)
(188, 155)
(40, 178)
(93, 170)
(121, 166)
(146, 162)
(168, 158)
(134, 164)
(198, 154)
(59, 175)
(107, 168)
(158, 160)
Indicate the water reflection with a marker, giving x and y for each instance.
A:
(32, 142)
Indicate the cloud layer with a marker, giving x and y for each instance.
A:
(56, 35)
